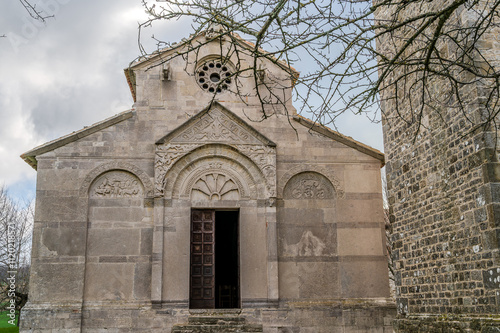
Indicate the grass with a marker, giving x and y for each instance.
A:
(5, 327)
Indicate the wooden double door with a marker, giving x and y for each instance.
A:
(214, 275)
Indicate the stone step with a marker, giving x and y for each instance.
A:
(216, 320)
(248, 328)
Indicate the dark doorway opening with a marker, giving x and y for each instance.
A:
(214, 281)
(226, 260)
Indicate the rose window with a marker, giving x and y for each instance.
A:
(214, 76)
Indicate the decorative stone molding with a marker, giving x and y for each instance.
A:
(308, 185)
(223, 132)
(216, 186)
(116, 184)
(265, 158)
(216, 126)
(225, 180)
(123, 166)
(165, 157)
(308, 188)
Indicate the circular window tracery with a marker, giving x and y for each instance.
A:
(214, 76)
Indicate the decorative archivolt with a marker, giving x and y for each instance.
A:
(172, 158)
(120, 180)
(310, 181)
(212, 178)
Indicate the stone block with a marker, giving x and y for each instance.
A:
(56, 282)
(364, 279)
(318, 280)
(112, 242)
(360, 241)
(359, 211)
(109, 282)
(362, 179)
(63, 242)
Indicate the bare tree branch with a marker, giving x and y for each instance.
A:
(346, 69)
(33, 11)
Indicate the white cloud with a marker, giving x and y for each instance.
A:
(68, 73)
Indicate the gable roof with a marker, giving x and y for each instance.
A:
(149, 60)
(30, 156)
(346, 140)
(237, 128)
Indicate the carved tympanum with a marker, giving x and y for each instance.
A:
(308, 185)
(215, 126)
(116, 184)
(215, 186)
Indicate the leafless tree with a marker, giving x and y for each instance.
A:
(16, 224)
(335, 42)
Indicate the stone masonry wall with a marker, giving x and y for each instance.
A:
(444, 193)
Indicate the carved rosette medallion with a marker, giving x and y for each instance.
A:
(116, 184)
(309, 185)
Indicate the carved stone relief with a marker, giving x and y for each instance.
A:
(166, 156)
(116, 184)
(309, 185)
(265, 158)
(326, 174)
(214, 180)
(309, 245)
(215, 126)
(215, 186)
(125, 167)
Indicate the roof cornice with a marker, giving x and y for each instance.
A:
(30, 156)
(346, 140)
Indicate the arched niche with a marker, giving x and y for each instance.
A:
(212, 161)
(94, 174)
(307, 238)
(119, 238)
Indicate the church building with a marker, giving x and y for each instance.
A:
(210, 206)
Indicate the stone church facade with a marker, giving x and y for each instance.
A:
(185, 213)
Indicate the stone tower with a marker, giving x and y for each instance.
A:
(443, 183)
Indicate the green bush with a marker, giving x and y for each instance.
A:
(5, 327)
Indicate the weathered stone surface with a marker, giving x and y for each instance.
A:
(114, 232)
(441, 182)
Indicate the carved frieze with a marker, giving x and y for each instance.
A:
(116, 184)
(309, 185)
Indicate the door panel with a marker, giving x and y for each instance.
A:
(202, 290)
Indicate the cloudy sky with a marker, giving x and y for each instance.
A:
(65, 74)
